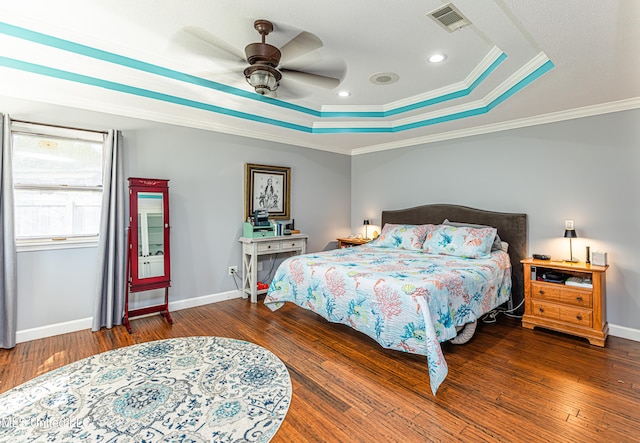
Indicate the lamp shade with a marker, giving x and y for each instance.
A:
(570, 233)
(366, 222)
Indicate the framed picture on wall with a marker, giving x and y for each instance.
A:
(267, 188)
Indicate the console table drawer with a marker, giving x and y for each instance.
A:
(268, 246)
(292, 244)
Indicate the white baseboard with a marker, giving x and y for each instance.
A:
(87, 323)
(55, 329)
(624, 332)
(203, 300)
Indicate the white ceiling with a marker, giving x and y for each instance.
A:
(520, 62)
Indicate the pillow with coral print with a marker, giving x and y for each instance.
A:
(464, 241)
(401, 236)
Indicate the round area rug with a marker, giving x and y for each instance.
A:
(192, 389)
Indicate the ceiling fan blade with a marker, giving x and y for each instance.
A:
(300, 45)
(204, 42)
(291, 91)
(321, 81)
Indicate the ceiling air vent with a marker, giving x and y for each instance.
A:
(449, 17)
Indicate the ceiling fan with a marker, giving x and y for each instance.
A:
(267, 64)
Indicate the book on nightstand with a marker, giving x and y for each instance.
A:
(579, 282)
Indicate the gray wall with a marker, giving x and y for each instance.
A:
(586, 169)
(206, 195)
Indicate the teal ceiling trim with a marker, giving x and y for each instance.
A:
(539, 72)
(92, 81)
(76, 48)
(425, 103)
(113, 86)
(543, 69)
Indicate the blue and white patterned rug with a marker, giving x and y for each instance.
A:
(192, 389)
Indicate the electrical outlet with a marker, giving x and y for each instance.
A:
(233, 270)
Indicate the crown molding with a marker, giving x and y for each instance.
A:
(587, 111)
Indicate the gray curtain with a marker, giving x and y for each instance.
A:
(112, 260)
(8, 267)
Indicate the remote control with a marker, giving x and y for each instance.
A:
(541, 257)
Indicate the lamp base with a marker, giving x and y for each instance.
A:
(571, 260)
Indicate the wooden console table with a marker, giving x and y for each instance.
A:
(254, 247)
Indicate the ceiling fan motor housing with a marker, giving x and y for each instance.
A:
(263, 53)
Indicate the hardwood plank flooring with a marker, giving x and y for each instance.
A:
(508, 384)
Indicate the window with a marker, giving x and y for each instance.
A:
(57, 176)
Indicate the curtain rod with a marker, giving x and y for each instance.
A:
(59, 126)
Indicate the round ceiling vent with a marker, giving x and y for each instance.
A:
(384, 78)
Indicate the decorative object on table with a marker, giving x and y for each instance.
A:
(599, 258)
(261, 286)
(197, 389)
(149, 258)
(267, 188)
(570, 233)
(366, 224)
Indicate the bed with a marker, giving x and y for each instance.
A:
(433, 271)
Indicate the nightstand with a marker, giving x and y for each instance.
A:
(576, 308)
(349, 242)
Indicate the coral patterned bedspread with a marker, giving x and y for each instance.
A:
(406, 300)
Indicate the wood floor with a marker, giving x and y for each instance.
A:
(508, 384)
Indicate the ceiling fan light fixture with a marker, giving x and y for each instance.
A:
(264, 79)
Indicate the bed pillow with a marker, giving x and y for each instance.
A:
(464, 241)
(402, 236)
(497, 243)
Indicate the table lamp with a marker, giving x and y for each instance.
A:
(366, 229)
(570, 233)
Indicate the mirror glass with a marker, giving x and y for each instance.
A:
(150, 235)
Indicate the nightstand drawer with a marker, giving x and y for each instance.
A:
(565, 314)
(545, 310)
(582, 317)
(545, 291)
(562, 294)
(577, 298)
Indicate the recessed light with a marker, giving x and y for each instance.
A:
(344, 93)
(437, 58)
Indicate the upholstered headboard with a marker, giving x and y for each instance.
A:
(512, 228)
